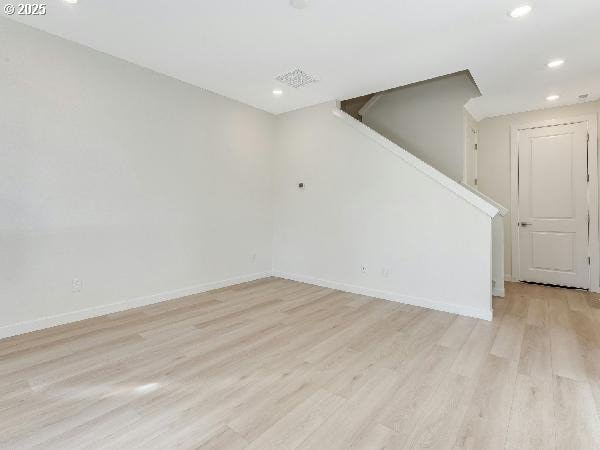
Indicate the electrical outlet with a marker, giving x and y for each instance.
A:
(363, 269)
(385, 272)
(76, 285)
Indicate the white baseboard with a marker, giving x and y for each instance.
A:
(507, 278)
(88, 313)
(484, 314)
(82, 314)
(497, 292)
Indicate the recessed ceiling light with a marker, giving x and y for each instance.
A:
(277, 92)
(553, 97)
(71, 2)
(299, 4)
(520, 11)
(556, 63)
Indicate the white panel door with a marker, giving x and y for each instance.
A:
(553, 207)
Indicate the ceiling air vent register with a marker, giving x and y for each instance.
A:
(296, 78)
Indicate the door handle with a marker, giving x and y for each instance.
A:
(525, 224)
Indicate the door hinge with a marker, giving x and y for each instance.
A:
(475, 181)
(588, 177)
(589, 261)
(476, 147)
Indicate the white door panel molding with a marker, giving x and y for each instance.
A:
(554, 202)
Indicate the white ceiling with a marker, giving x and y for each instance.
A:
(237, 47)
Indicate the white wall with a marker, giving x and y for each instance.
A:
(498, 275)
(362, 205)
(427, 119)
(135, 183)
(494, 155)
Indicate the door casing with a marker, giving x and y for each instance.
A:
(592, 191)
(471, 141)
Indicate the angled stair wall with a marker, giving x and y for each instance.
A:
(374, 219)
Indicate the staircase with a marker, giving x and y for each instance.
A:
(353, 106)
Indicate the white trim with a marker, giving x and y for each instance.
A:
(469, 125)
(391, 296)
(514, 201)
(497, 292)
(491, 247)
(88, 313)
(593, 204)
(594, 245)
(508, 277)
(369, 104)
(421, 166)
(82, 314)
(553, 122)
(501, 209)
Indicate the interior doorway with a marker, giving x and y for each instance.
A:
(555, 203)
(471, 148)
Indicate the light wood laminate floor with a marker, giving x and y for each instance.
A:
(275, 364)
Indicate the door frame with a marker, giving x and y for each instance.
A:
(469, 125)
(592, 192)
